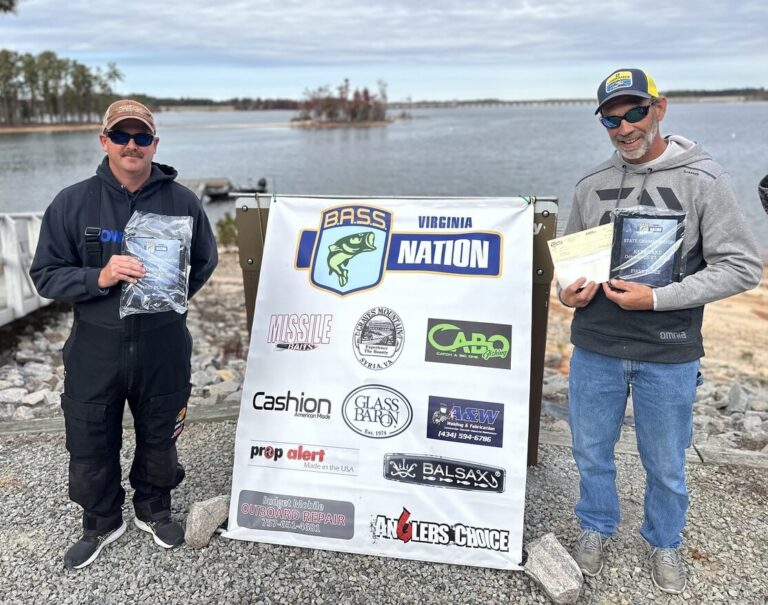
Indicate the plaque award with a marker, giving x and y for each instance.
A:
(162, 245)
(647, 246)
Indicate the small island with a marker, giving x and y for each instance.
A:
(322, 108)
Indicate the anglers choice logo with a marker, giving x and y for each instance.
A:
(465, 421)
(377, 411)
(406, 530)
(304, 457)
(355, 244)
(301, 406)
(470, 343)
(299, 332)
(443, 472)
(378, 338)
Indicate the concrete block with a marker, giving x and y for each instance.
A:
(550, 565)
(203, 519)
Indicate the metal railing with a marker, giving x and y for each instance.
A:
(18, 240)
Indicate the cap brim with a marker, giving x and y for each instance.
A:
(623, 93)
(114, 123)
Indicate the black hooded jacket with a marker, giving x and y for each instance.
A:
(59, 269)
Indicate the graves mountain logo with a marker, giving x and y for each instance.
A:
(443, 472)
(470, 343)
(378, 338)
(355, 245)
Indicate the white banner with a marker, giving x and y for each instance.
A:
(385, 402)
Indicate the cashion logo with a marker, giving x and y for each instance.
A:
(377, 411)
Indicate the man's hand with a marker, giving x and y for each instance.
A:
(579, 293)
(629, 295)
(120, 268)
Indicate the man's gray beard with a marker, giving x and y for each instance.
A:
(643, 149)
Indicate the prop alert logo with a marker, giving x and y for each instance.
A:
(406, 530)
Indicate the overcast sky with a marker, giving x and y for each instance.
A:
(430, 49)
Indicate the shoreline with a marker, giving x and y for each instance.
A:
(30, 128)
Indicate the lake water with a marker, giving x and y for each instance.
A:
(466, 152)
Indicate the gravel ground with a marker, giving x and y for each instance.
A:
(726, 542)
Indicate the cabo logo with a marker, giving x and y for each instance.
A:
(377, 411)
(299, 332)
(355, 244)
(378, 338)
(303, 407)
(443, 472)
(470, 343)
(441, 534)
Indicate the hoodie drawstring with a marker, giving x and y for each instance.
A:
(621, 184)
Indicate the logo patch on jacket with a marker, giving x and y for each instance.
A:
(179, 426)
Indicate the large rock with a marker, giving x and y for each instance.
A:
(550, 565)
(738, 400)
(12, 395)
(203, 519)
(220, 391)
(37, 397)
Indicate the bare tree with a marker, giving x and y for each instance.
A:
(7, 6)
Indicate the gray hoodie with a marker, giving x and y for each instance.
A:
(720, 252)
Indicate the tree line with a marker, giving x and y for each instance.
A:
(47, 89)
(345, 105)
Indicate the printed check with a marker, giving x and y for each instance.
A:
(583, 254)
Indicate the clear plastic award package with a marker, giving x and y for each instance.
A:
(161, 243)
(647, 245)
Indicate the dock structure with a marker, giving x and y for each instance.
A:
(18, 239)
(210, 188)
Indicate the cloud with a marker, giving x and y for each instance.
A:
(293, 34)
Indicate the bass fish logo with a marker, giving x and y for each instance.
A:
(349, 249)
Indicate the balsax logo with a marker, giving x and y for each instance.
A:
(355, 245)
(443, 472)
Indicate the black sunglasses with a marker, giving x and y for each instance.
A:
(142, 139)
(633, 115)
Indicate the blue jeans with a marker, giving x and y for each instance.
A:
(662, 396)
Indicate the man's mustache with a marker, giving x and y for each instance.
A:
(132, 153)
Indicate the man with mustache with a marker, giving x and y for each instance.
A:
(144, 358)
(630, 338)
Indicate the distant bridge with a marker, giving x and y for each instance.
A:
(400, 105)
